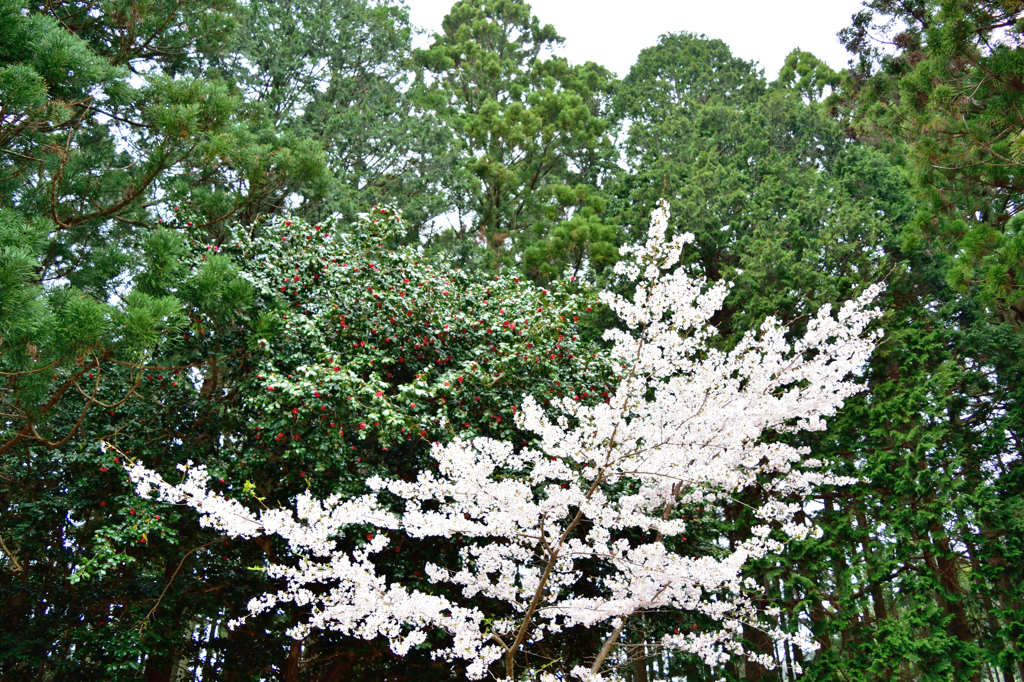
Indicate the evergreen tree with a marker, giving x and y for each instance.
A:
(915, 575)
(337, 74)
(765, 180)
(784, 206)
(944, 92)
(104, 132)
(531, 141)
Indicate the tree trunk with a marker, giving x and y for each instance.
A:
(291, 669)
(947, 572)
(638, 659)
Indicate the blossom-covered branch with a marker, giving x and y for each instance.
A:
(603, 486)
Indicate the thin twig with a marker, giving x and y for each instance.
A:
(17, 568)
(145, 621)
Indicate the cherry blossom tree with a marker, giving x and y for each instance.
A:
(587, 527)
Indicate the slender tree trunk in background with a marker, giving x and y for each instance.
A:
(790, 675)
(638, 657)
(1004, 589)
(762, 644)
(164, 667)
(947, 573)
(877, 598)
(291, 669)
(998, 645)
(841, 568)
(906, 674)
(819, 622)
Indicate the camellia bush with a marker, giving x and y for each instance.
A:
(583, 524)
(378, 348)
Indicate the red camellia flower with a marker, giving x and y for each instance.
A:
(362, 426)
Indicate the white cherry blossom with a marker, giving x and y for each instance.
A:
(684, 426)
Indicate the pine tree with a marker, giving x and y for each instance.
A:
(531, 141)
(944, 93)
(337, 74)
(105, 134)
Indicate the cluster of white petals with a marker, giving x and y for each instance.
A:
(684, 426)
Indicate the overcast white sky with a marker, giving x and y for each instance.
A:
(612, 32)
